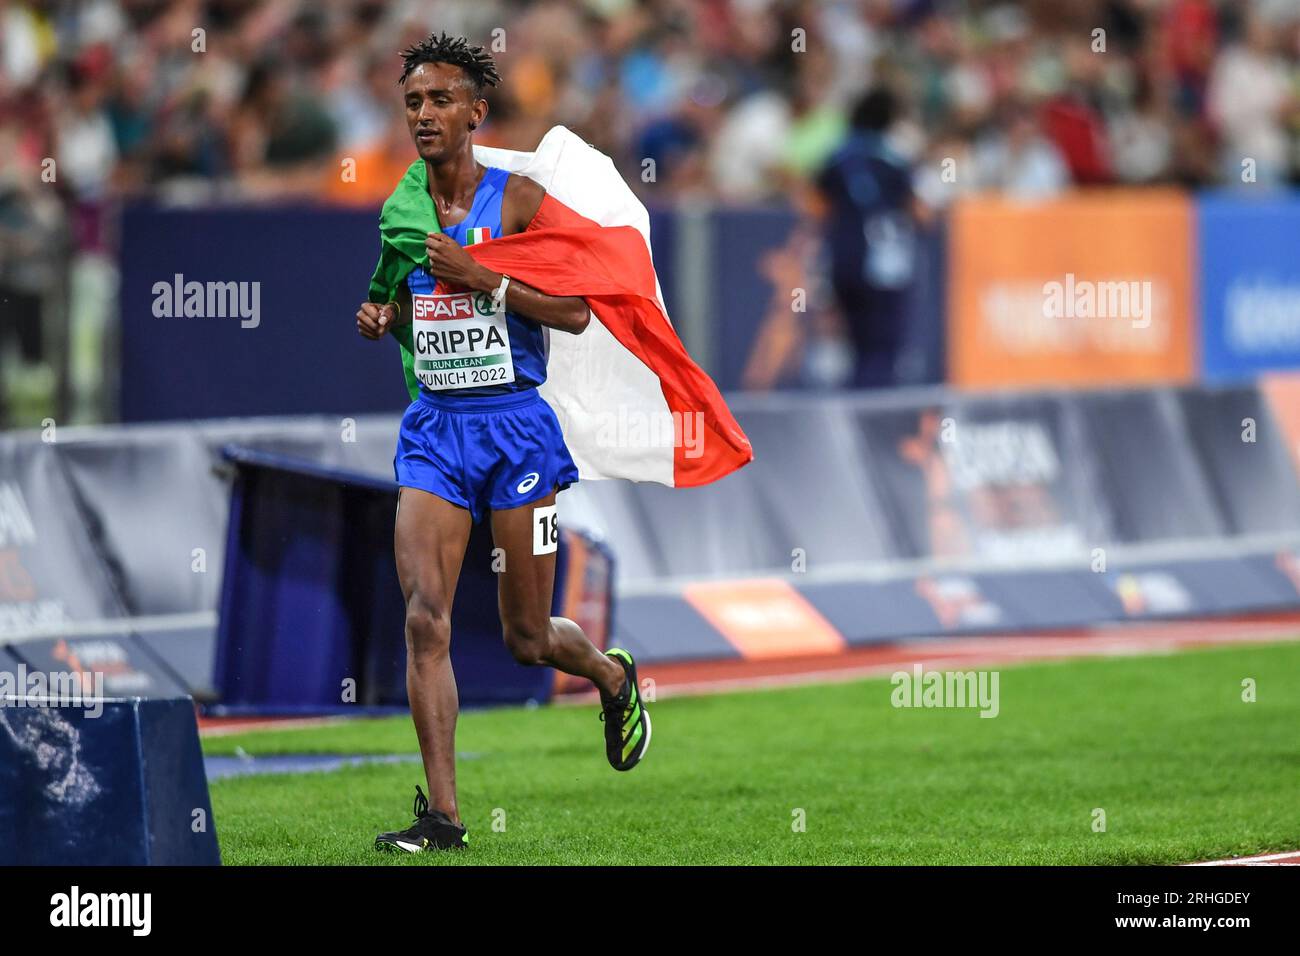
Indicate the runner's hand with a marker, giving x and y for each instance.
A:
(449, 261)
(373, 319)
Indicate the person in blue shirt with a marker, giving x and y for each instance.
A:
(869, 228)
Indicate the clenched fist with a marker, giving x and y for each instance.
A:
(373, 319)
(449, 261)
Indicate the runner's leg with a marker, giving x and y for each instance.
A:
(429, 542)
(524, 597)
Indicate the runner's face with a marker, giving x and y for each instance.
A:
(439, 110)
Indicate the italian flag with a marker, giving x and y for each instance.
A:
(631, 402)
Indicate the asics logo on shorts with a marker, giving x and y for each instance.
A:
(530, 480)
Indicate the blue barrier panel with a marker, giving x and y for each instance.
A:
(188, 653)
(666, 627)
(103, 782)
(126, 667)
(1016, 482)
(926, 357)
(872, 612)
(1253, 481)
(869, 612)
(740, 240)
(285, 631)
(1213, 586)
(1250, 285)
(1147, 472)
(1280, 572)
(663, 251)
(310, 599)
(299, 354)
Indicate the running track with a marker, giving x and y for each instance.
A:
(708, 677)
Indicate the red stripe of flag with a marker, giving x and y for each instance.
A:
(564, 253)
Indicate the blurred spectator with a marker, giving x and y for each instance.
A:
(1141, 138)
(1015, 158)
(869, 231)
(1191, 30)
(1073, 121)
(1251, 96)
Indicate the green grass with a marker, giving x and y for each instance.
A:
(1183, 768)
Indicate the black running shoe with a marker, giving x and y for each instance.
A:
(432, 830)
(627, 725)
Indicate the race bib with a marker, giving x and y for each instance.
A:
(460, 342)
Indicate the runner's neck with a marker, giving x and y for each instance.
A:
(453, 189)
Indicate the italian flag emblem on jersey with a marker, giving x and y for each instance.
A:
(477, 234)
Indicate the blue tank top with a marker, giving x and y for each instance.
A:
(462, 349)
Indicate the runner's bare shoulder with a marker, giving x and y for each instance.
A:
(520, 201)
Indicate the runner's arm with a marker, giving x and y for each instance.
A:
(523, 197)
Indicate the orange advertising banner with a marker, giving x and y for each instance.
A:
(1091, 289)
(1282, 391)
(764, 617)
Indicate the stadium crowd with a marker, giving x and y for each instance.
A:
(728, 97)
(730, 101)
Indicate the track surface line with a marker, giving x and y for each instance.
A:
(1269, 859)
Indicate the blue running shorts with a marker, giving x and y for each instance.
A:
(488, 453)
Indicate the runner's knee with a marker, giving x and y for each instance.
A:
(527, 640)
(428, 627)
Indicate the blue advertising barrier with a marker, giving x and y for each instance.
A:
(312, 616)
(1250, 285)
(870, 610)
(103, 782)
(293, 348)
(741, 295)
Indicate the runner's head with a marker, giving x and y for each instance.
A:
(442, 80)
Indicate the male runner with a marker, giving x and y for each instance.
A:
(479, 439)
